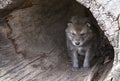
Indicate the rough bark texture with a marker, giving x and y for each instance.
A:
(7, 6)
(107, 13)
(35, 29)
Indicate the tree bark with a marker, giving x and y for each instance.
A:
(107, 13)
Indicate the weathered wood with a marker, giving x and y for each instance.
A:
(41, 68)
(107, 14)
(38, 34)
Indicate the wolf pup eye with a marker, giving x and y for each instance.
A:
(73, 33)
(82, 34)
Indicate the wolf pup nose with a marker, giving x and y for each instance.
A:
(80, 40)
(77, 43)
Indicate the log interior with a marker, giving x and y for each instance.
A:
(33, 47)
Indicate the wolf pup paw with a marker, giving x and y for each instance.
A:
(75, 68)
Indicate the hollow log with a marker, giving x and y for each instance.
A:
(37, 29)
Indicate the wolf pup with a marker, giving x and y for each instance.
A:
(80, 40)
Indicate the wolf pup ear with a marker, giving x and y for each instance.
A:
(70, 24)
(88, 24)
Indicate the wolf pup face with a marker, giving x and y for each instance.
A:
(78, 33)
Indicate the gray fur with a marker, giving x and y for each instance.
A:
(80, 40)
